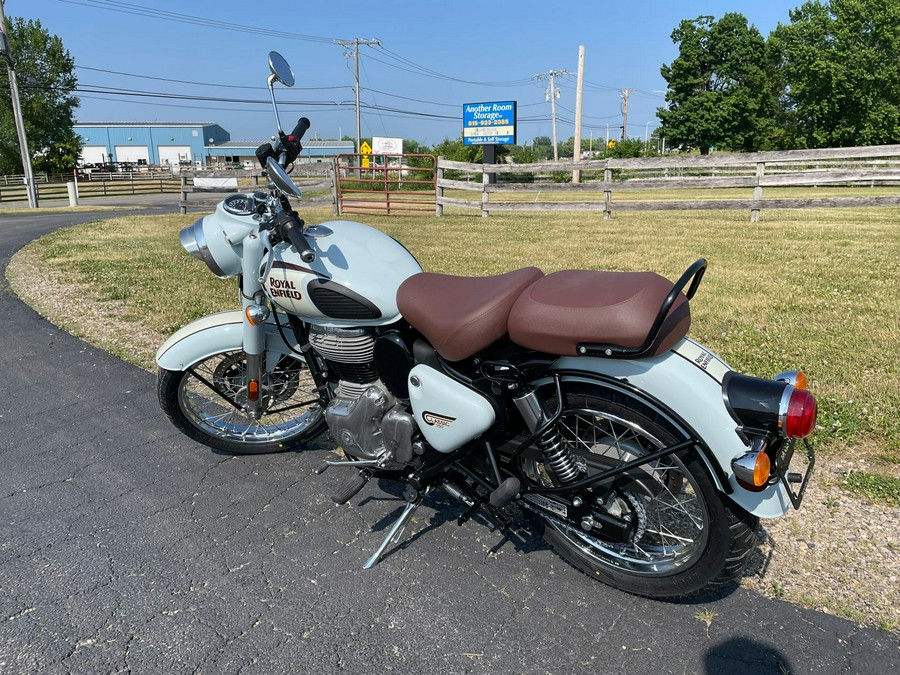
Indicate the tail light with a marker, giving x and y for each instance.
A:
(799, 418)
(777, 407)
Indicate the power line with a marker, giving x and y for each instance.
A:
(203, 84)
(433, 73)
(552, 95)
(356, 42)
(138, 10)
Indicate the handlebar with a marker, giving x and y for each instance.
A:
(291, 228)
(302, 125)
(288, 147)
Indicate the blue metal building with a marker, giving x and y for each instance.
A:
(151, 143)
(181, 143)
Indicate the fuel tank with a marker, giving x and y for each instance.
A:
(352, 282)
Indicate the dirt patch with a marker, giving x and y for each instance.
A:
(837, 553)
(58, 297)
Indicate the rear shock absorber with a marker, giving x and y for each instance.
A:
(557, 455)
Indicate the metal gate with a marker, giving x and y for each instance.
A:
(402, 185)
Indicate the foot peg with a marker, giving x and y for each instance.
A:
(504, 494)
(356, 484)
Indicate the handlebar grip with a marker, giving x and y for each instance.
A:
(294, 232)
(302, 125)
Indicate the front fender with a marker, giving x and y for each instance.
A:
(215, 334)
(687, 382)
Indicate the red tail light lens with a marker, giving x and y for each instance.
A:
(800, 419)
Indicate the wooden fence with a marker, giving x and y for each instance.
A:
(127, 184)
(600, 179)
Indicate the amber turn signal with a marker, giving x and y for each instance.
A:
(796, 378)
(752, 468)
(257, 314)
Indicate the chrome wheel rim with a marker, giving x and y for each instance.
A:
(675, 524)
(291, 405)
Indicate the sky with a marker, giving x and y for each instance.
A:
(206, 61)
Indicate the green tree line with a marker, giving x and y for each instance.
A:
(46, 80)
(829, 78)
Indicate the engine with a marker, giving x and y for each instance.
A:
(364, 418)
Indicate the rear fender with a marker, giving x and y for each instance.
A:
(686, 383)
(215, 334)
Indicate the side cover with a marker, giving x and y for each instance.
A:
(448, 413)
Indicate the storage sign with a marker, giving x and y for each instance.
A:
(493, 122)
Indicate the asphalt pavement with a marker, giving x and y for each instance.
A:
(126, 547)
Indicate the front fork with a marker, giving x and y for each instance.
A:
(254, 336)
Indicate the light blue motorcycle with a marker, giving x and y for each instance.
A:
(577, 396)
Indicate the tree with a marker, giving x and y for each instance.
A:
(839, 74)
(718, 91)
(45, 74)
(457, 151)
(542, 147)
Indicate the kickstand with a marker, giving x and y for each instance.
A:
(394, 534)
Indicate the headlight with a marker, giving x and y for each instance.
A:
(199, 238)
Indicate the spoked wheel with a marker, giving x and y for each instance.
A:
(662, 530)
(207, 401)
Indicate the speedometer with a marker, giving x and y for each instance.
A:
(239, 205)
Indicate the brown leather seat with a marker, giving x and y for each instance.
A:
(462, 315)
(566, 308)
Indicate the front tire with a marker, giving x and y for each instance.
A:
(205, 402)
(688, 538)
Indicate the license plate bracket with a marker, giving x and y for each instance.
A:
(784, 463)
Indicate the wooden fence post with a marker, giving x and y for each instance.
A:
(439, 191)
(607, 193)
(757, 191)
(484, 193)
(182, 208)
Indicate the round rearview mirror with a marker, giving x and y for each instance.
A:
(280, 69)
(282, 181)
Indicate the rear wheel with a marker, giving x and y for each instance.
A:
(679, 536)
(206, 402)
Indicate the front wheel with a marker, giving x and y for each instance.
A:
(682, 537)
(206, 402)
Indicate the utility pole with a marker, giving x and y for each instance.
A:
(552, 95)
(356, 42)
(5, 48)
(625, 93)
(576, 174)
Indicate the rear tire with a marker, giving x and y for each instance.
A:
(292, 414)
(692, 539)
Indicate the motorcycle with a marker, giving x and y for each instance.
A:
(642, 457)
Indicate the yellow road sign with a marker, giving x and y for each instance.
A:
(365, 149)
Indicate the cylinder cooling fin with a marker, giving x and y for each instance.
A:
(348, 354)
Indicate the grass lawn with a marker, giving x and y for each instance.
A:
(815, 289)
